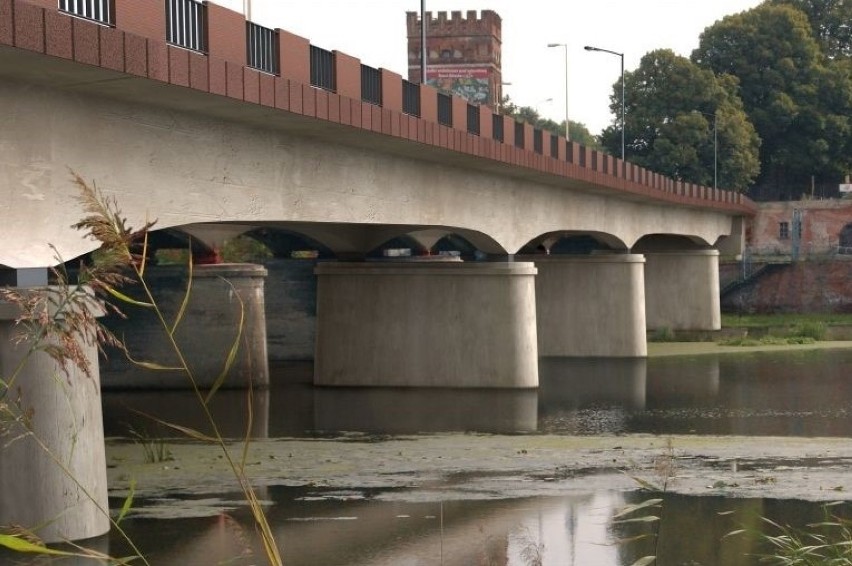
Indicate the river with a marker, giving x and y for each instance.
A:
(417, 477)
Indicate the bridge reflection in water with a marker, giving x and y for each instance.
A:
(794, 393)
(351, 528)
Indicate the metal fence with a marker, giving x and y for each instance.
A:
(262, 48)
(473, 119)
(371, 85)
(445, 109)
(519, 135)
(538, 141)
(102, 11)
(497, 127)
(186, 24)
(322, 69)
(410, 98)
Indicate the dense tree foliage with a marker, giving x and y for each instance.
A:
(798, 98)
(579, 132)
(830, 21)
(681, 120)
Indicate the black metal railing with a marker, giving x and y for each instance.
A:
(322, 69)
(445, 109)
(186, 24)
(473, 119)
(497, 127)
(410, 98)
(538, 141)
(519, 134)
(102, 11)
(554, 146)
(262, 48)
(371, 85)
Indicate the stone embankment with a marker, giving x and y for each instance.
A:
(807, 286)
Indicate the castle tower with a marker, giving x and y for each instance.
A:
(463, 54)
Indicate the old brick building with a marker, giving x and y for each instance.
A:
(803, 228)
(463, 54)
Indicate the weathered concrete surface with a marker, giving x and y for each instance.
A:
(180, 166)
(426, 324)
(66, 427)
(291, 304)
(682, 290)
(220, 296)
(591, 305)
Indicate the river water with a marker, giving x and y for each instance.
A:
(798, 393)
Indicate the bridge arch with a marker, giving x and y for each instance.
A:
(669, 243)
(573, 242)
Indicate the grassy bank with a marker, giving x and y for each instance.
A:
(783, 320)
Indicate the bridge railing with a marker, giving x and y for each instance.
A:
(186, 24)
(101, 11)
(262, 48)
(371, 85)
(236, 57)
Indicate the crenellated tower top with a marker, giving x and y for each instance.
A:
(463, 53)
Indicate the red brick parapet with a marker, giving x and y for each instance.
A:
(136, 45)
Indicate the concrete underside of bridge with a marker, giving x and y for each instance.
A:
(184, 167)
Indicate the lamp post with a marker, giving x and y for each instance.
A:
(423, 42)
(590, 48)
(715, 146)
(565, 46)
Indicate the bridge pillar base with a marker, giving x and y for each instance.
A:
(426, 324)
(205, 334)
(64, 413)
(682, 290)
(591, 306)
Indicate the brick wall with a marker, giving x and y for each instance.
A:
(822, 222)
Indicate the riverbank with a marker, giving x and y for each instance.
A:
(663, 349)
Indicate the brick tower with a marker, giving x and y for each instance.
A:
(463, 54)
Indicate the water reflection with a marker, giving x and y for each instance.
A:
(404, 411)
(805, 393)
(384, 529)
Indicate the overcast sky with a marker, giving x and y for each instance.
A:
(374, 31)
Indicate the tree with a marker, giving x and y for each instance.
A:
(579, 132)
(799, 104)
(830, 21)
(672, 109)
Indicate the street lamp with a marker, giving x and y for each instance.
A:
(590, 48)
(423, 51)
(715, 146)
(565, 46)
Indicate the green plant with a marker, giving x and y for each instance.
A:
(154, 448)
(60, 323)
(664, 472)
(664, 334)
(105, 224)
(815, 330)
(827, 543)
(58, 320)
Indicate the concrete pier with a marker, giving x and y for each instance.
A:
(66, 426)
(426, 324)
(682, 290)
(592, 305)
(205, 335)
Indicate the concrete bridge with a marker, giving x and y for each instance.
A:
(185, 132)
(160, 108)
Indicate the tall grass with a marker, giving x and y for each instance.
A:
(120, 259)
